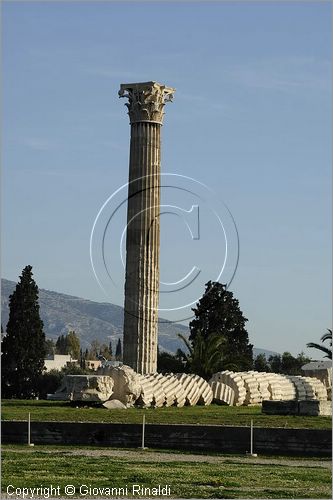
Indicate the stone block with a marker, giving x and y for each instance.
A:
(236, 382)
(206, 393)
(280, 407)
(191, 389)
(252, 388)
(315, 408)
(114, 404)
(158, 399)
(309, 388)
(319, 389)
(174, 391)
(222, 393)
(127, 383)
(87, 388)
(146, 396)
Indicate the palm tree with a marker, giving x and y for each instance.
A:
(322, 348)
(205, 355)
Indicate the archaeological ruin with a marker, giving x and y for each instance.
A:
(122, 384)
(145, 108)
(136, 382)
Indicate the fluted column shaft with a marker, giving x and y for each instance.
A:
(142, 249)
(146, 103)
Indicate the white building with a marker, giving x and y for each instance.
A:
(58, 361)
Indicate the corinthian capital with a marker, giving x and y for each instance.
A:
(146, 100)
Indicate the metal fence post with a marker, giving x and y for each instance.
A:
(29, 431)
(251, 441)
(143, 432)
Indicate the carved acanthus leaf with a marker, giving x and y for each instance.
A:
(146, 100)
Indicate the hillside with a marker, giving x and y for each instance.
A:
(91, 320)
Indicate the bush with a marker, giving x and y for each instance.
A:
(49, 382)
(76, 370)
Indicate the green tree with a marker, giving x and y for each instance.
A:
(73, 369)
(49, 382)
(23, 346)
(83, 357)
(218, 313)
(287, 363)
(105, 351)
(73, 344)
(170, 363)
(82, 363)
(50, 347)
(69, 344)
(302, 359)
(275, 363)
(326, 350)
(261, 364)
(61, 345)
(94, 350)
(205, 356)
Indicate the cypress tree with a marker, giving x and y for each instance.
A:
(23, 346)
(72, 342)
(81, 359)
(218, 313)
(61, 345)
(118, 350)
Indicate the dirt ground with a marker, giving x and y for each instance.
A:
(160, 456)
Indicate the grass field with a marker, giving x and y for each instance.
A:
(188, 476)
(213, 414)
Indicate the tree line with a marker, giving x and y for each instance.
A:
(70, 344)
(24, 346)
(218, 340)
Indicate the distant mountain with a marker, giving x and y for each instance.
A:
(257, 351)
(91, 320)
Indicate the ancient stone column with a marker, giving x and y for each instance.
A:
(145, 108)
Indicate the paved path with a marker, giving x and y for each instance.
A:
(138, 455)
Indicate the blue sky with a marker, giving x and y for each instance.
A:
(250, 119)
